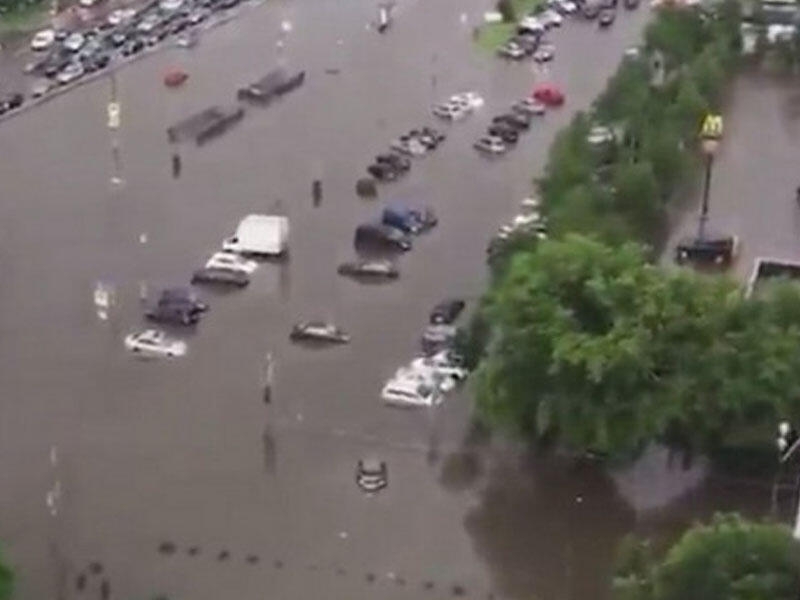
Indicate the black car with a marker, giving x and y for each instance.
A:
(517, 121)
(446, 311)
(119, 38)
(54, 67)
(371, 475)
(505, 132)
(591, 10)
(101, 60)
(177, 312)
(133, 47)
(631, 4)
(528, 42)
(607, 17)
(379, 235)
(13, 101)
(377, 269)
(222, 276)
(709, 250)
(383, 171)
(179, 26)
(184, 295)
(227, 4)
(400, 163)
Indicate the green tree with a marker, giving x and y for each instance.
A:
(636, 196)
(6, 581)
(506, 9)
(729, 559)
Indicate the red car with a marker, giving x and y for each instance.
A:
(548, 94)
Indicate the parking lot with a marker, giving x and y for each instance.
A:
(187, 452)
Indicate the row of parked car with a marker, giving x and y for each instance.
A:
(529, 221)
(504, 130)
(390, 165)
(437, 370)
(66, 56)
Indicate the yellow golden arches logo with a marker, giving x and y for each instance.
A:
(712, 127)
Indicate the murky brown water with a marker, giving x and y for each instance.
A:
(262, 501)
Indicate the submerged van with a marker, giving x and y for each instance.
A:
(265, 235)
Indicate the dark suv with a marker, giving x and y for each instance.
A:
(177, 305)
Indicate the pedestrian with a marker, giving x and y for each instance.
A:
(316, 192)
(105, 590)
(268, 377)
(176, 165)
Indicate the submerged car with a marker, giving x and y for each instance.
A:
(446, 311)
(379, 269)
(437, 337)
(409, 145)
(70, 73)
(511, 50)
(177, 305)
(221, 275)
(505, 132)
(607, 17)
(408, 392)
(718, 250)
(153, 342)
(319, 331)
(529, 106)
(379, 235)
(409, 220)
(383, 171)
(231, 261)
(371, 475)
(548, 94)
(490, 145)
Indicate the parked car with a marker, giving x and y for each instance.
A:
(54, 66)
(232, 262)
(119, 16)
(607, 17)
(505, 132)
(550, 18)
(409, 220)
(409, 145)
(548, 94)
(451, 111)
(544, 54)
(177, 305)
(379, 235)
(152, 342)
(519, 121)
(447, 311)
(198, 16)
(149, 23)
(371, 475)
(631, 4)
(74, 42)
(12, 101)
(70, 73)
(319, 331)
(532, 24)
(135, 46)
(383, 171)
(591, 10)
(428, 137)
(377, 269)
(529, 106)
(43, 40)
(400, 163)
(529, 42)
(441, 365)
(40, 88)
(407, 392)
(170, 5)
(437, 337)
(718, 250)
(220, 275)
(490, 145)
(511, 50)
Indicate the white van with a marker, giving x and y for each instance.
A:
(261, 235)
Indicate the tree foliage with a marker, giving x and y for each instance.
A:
(593, 346)
(6, 581)
(729, 559)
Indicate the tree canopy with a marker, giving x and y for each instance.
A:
(729, 559)
(6, 581)
(594, 347)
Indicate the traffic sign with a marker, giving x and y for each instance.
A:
(712, 127)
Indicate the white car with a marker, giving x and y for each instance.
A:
(551, 18)
(490, 145)
(40, 88)
(530, 106)
(121, 15)
(43, 40)
(567, 6)
(74, 42)
(409, 145)
(152, 342)
(532, 24)
(544, 54)
(469, 99)
(88, 3)
(600, 135)
(149, 23)
(451, 111)
(70, 73)
(441, 364)
(425, 374)
(409, 393)
(170, 5)
(232, 262)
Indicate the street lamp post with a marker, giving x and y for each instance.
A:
(710, 134)
(788, 442)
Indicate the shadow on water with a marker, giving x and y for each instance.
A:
(547, 530)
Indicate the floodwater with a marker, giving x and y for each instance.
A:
(243, 498)
(753, 184)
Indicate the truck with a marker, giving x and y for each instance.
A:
(260, 235)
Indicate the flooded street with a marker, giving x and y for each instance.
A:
(753, 185)
(186, 452)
